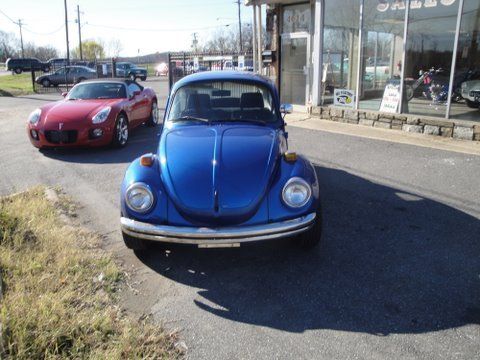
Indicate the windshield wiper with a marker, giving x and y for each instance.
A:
(259, 122)
(190, 118)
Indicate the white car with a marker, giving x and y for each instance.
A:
(161, 69)
(471, 93)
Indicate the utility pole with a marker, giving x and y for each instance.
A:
(66, 31)
(21, 35)
(240, 26)
(195, 42)
(79, 33)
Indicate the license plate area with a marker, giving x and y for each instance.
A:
(214, 246)
(61, 136)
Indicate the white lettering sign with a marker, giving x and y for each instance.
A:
(241, 62)
(391, 99)
(384, 5)
(344, 98)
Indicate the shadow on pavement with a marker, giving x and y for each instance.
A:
(143, 139)
(390, 262)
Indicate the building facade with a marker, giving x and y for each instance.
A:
(404, 58)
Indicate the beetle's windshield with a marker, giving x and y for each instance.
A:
(225, 101)
(100, 90)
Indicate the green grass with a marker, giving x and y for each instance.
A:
(12, 85)
(60, 290)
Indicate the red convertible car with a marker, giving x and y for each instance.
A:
(93, 113)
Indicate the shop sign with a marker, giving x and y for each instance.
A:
(196, 65)
(296, 18)
(241, 62)
(344, 98)
(384, 5)
(391, 99)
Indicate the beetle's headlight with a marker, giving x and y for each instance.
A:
(101, 116)
(296, 192)
(139, 197)
(35, 116)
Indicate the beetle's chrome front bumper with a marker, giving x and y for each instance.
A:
(217, 237)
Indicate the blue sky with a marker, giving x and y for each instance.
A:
(145, 25)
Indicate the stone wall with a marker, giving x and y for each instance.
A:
(409, 123)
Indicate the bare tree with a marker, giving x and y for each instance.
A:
(40, 52)
(9, 45)
(227, 39)
(113, 47)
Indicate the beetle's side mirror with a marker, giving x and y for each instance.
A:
(64, 94)
(286, 109)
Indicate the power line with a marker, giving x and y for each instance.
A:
(44, 34)
(156, 30)
(19, 23)
(8, 17)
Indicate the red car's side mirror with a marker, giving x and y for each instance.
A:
(64, 94)
(136, 93)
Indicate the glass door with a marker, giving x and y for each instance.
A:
(294, 74)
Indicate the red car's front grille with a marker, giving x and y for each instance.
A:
(61, 136)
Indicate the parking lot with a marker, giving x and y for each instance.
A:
(396, 276)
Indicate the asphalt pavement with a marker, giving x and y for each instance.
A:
(397, 274)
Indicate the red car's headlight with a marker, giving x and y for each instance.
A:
(35, 116)
(101, 116)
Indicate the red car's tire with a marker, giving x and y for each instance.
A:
(153, 119)
(120, 132)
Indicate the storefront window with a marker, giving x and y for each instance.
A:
(430, 41)
(295, 47)
(466, 87)
(382, 49)
(340, 48)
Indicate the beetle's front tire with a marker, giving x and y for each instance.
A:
(134, 243)
(311, 238)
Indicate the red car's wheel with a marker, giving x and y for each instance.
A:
(153, 119)
(120, 133)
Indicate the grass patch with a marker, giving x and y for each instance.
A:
(12, 85)
(60, 290)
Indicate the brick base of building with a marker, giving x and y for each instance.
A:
(410, 123)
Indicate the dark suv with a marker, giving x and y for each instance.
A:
(132, 71)
(26, 64)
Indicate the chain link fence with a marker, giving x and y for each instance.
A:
(62, 77)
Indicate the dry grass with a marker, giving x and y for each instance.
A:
(12, 85)
(59, 291)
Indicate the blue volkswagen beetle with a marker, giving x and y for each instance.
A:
(222, 175)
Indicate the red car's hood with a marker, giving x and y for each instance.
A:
(73, 111)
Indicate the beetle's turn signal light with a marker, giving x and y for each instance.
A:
(290, 156)
(146, 160)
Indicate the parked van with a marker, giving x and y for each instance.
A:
(26, 64)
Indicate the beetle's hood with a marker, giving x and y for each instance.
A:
(218, 174)
(73, 110)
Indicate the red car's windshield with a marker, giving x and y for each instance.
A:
(97, 91)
